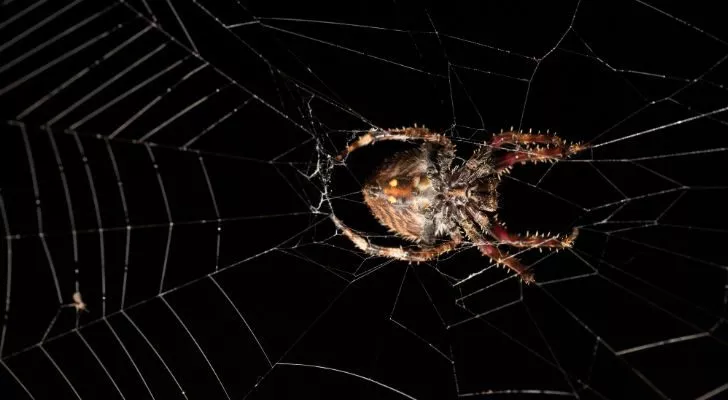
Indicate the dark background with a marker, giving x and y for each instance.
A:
(181, 157)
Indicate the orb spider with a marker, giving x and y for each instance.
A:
(421, 196)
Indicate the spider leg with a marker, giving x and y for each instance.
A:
(403, 135)
(537, 154)
(548, 148)
(513, 137)
(499, 232)
(416, 254)
(490, 250)
(478, 165)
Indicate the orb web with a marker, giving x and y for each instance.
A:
(173, 162)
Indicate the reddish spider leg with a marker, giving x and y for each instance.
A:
(499, 232)
(513, 137)
(555, 148)
(499, 257)
(416, 254)
(403, 135)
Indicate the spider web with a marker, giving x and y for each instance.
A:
(172, 162)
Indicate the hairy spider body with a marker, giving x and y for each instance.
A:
(415, 196)
(421, 196)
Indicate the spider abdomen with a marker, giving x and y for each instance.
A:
(401, 195)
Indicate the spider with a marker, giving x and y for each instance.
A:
(78, 303)
(422, 197)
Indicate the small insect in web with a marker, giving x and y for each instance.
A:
(422, 197)
(78, 303)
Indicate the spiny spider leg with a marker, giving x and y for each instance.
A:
(416, 254)
(548, 153)
(499, 232)
(403, 135)
(491, 251)
(513, 137)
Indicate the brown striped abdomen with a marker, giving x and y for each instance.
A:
(400, 193)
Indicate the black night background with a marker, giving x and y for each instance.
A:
(173, 162)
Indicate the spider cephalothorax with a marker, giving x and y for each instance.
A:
(421, 196)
